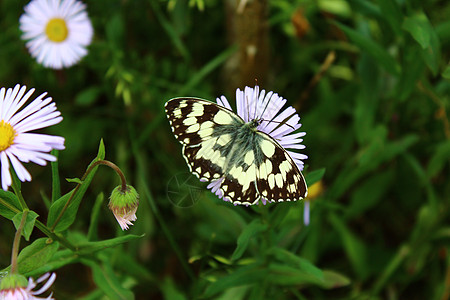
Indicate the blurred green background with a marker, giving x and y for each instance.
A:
(370, 80)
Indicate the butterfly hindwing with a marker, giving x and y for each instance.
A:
(219, 147)
(279, 178)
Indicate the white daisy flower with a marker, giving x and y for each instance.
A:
(17, 144)
(57, 31)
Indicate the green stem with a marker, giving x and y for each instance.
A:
(395, 262)
(89, 170)
(166, 231)
(55, 236)
(155, 210)
(18, 189)
(15, 249)
(42, 228)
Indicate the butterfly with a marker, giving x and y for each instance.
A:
(243, 164)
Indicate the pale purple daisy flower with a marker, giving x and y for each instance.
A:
(13, 287)
(57, 31)
(17, 144)
(281, 125)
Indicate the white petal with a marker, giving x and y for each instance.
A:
(6, 176)
(21, 172)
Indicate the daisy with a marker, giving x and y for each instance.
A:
(17, 144)
(57, 31)
(253, 104)
(14, 287)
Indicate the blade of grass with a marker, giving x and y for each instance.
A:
(176, 40)
(208, 68)
(149, 197)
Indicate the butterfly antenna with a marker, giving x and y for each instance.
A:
(256, 95)
(284, 122)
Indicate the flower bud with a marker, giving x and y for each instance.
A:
(16, 286)
(124, 205)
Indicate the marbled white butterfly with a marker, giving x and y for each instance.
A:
(243, 155)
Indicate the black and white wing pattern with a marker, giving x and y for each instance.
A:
(219, 146)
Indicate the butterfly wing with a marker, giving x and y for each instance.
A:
(278, 177)
(245, 167)
(197, 124)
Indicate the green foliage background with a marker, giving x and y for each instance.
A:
(377, 122)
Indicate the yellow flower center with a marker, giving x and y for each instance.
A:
(56, 30)
(7, 135)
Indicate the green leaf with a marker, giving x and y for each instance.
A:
(170, 30)
(335, 7)
(74, 180)
(35, 255)
(380, 150)
(423, 32)
(9, 204)
(295, 261)
(419, 28)
(107, 280)
(440, 157)
(93, 224)
(170, 290)
(446, 73)
(334, 280)
(354, 247)
(91, 247)
(377, 52)
(251, 230)
(392, 13)
(285, 275)
(252, 274)
(208, 68)
(88, 96)
(369, 193)
(101, 150)
(413, 66)
(29, 223)
(314, 176)
(71, 212)
(60, 259)
(115, 31)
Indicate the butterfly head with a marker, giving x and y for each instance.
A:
(253, 124)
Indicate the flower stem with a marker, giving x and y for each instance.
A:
(41, 226)
(18, 190)
(91, 167)
(15, 249)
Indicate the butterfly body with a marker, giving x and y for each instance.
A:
(246, 164)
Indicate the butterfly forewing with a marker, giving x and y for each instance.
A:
(218, 145)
